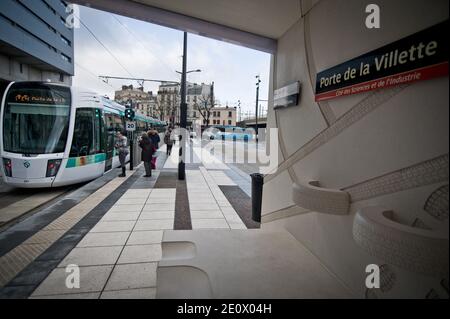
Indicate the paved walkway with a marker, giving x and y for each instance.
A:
(21, 256)
(115, 229)
(118, 256)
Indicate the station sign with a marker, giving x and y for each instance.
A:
(287, 96)
(418, 57)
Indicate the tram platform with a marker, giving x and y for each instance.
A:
(139, 237)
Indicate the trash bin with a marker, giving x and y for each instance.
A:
(257, 191)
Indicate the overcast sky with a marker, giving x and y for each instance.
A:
(150, 51)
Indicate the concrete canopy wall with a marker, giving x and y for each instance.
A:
(359, 143)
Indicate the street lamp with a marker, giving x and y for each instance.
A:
(240, 115)
(181, 91)
(192, 71)
(183, 112)
(257, 106)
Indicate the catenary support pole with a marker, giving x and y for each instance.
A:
(183, 115)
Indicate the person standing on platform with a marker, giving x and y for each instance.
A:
(122, 148)
(169, 142)
(148, 148)
(154, 136)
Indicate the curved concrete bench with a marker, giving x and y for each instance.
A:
(324, 200)
(241, 264)
(419, 250)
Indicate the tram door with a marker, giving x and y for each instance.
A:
(110, 140)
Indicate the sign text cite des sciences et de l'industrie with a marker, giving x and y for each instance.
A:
(421, 56)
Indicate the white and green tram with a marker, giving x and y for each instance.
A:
(54, 135)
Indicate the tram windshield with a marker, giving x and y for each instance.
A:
(36, 119)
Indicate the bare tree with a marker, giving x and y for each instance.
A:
(173, 106)
(158, 110)
(204, 104)
(167, 105)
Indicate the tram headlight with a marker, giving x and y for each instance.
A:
(53, 167)
(7, 164)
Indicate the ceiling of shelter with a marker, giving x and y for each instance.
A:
(268, 18)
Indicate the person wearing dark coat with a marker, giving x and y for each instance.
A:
(147, 147)
(154, 136)
(169, 142)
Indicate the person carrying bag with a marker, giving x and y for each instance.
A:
(154, 157)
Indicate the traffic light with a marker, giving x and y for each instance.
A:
(130, 114)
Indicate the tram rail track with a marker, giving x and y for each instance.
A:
(7, 200)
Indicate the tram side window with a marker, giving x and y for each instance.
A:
(118, 123)
(87, 138)
(113, 125)
(109, 122)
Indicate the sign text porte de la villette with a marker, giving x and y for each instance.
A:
(421, 56)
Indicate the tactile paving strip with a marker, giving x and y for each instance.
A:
(17, 259)
(21, 256)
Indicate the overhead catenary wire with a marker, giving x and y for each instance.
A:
(104, 46)
(141, 43)
(93, 75)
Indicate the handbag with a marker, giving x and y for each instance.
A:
(154, 156)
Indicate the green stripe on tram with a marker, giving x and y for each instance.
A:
(85, 160)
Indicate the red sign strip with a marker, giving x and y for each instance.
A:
(420, 74)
